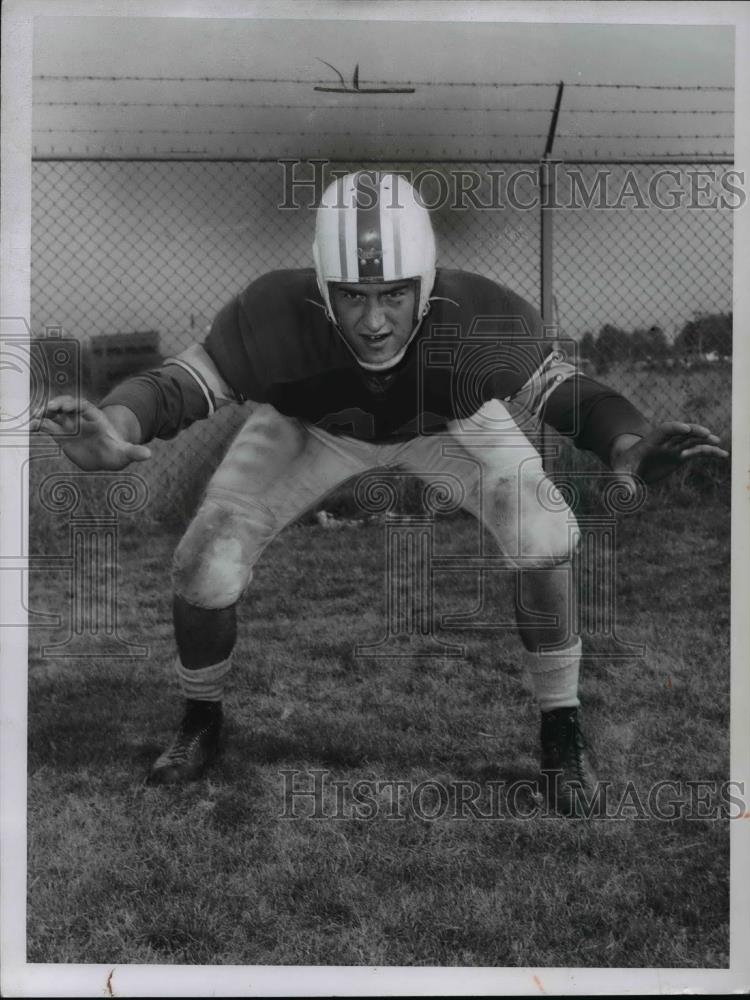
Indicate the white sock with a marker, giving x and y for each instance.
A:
(204, 684)
(554, 676)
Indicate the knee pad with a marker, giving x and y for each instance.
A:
(531, 521)
(549, 537)
(550, 534)
(213, 563)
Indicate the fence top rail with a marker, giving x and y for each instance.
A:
(198, 158)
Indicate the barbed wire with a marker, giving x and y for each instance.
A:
(411, 83)
(647, 111)
(652, 86)
(289, 134)
(281, 107)
(71, 77)
(635, 135)
(356, 134)
(648, 156)
(242, 105)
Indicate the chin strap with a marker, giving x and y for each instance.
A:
(441, 298)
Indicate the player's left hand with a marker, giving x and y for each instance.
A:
(667, 447)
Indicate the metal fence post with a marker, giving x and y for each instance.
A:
(547, 195)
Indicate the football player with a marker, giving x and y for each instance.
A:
(334, 358)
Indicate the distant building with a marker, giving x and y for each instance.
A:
(110, 357)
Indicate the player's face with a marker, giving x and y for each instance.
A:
(375, 320)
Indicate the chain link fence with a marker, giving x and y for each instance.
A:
(645, 286)
(151, 250)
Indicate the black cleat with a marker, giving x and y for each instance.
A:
(569, 784)
(194, 747)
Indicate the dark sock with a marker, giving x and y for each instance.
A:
(204, 636)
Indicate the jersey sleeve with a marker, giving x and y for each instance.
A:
(592, 414)
(577, 406)
(252, 339)
(187, 387)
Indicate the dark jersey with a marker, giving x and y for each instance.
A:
(274, 344)
(478, 341)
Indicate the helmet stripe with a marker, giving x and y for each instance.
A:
(369, 233)
(396, 229)
(343, 269)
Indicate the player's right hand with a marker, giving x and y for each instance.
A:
(86, 435)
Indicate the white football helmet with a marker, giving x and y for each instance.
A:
(371, 228)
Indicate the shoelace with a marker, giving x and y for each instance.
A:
(573, 745)
(569, 745)
(579, 745)
(184, 744)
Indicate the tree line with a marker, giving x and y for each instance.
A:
(705, 334)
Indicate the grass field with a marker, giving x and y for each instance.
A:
(215, 873)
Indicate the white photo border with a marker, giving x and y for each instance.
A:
(26, 980)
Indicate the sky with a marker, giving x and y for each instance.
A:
(479, 89)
